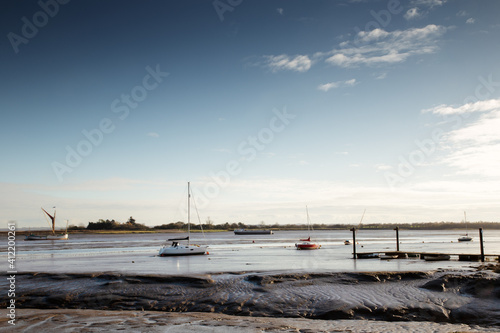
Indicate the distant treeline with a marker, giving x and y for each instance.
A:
(209, 225)
(112, 225)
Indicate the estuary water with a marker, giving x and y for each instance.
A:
(137, 253)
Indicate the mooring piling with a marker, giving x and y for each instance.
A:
(481, 243)
(397, 238)
(354, 243)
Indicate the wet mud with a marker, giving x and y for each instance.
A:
(445, 297)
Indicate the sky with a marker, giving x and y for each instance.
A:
(110, 108)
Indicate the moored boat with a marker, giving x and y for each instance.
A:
(436, 257)
(466, 237)
(388, 256)
(176, 249)
(252, 232)
(307, 244)
(46, 237)
(53, 236)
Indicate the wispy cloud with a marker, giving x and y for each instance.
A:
(280, 11)
(382, 47)
(298, 63)
(369, 48)
(412, 13)
(479, 106)
(473, 149)
(470, 20)
(153, 134)
(383, 167)
(332, 85)
(429, 3)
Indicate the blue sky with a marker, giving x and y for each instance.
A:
(109, 109)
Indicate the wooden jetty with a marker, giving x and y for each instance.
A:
(426, 255)
(430, 256)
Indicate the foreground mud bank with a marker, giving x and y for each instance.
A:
(64, 320)
(471, 298)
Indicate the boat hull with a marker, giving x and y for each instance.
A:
(47, 237)
(307, 246)
(187, 250)
(465, 239)
(253, 232)
(388, 256)
(439, 257)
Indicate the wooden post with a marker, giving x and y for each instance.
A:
(481, 243)
(397, 238)
(353, 242)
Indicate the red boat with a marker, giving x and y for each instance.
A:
(307, 245)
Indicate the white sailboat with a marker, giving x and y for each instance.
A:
(466, 237)
(53, 236)
(176, 249)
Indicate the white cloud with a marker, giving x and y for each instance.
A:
(477, 160)
(328, 86)
(429, 3)
(299, 63)
(153, 134)
(350, 82)
(375, 47)
(280, 11)
(483, 131)
(381, 47)
(373, 35)
(412, 13)
(479, 106)
(383, 167)
(470, 21)
(337, 84)
(462, 13)
(473, 149)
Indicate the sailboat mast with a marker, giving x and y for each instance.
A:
(308, 223)
(189, 212)
(53, 219)
(54, 223)
(466, 228)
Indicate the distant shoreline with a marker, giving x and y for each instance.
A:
(413, 226)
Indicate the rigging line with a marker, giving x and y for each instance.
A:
(359, 225)
(309, 224)
(197, 214)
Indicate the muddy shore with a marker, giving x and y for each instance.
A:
(64, 320)
(452, 297)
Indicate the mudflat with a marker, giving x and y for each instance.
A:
(258, 301)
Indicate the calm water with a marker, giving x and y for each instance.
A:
(231, 253)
